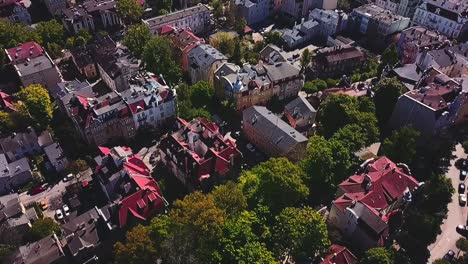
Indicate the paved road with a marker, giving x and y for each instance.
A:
(456, 215)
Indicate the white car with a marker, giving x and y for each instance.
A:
(462, 199)
(59, 214)
(66, 210)
(68, 177)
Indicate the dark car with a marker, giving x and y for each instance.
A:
(450, 255)
(461, 187)
(37, 190)
(463, 173)
(462, 230)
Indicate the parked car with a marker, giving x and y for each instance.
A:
(59, 214)
(463, 173)
(450, 255)
(462, 230)
(43, 205)
(69, 177)
(37, 189)
(66, 210)
(461, 187)
(462, 199)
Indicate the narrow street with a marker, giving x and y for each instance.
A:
(456, 215)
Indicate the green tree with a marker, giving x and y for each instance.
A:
(300, 232)
(224, 42)
(163, 12)
(237, 55)
(344, 5)
(441, 261)
(163, 5)
(201, 94)
(273, 37)
(331, 83)
(158, 58)
(390, 55)
(13, 34)
(38, 104)
(41, 228)
(229, 197)
(130, 10)
(310, 88)
(138, 247)
(351, 136)
(136, 38)
(321, 84)
(50, 32)
(6, 123)
(240, 25)
(306, 59)
(376, 256)
(327, 163)
(387, 92)
(403, 139)
(5, 251)
(438, 192)
(77, 166)
(85, 35)
(465, 146)
(54, 49)
(276, 183)
(462, 244)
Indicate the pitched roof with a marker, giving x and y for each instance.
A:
(46, 250)
(81, 232)
(7, 101)
(174, 16)
(27, 50)
(301, 110)
(339, 255)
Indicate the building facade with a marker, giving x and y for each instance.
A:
(253, 11)
(195, 18)
(55, 5)
(415, 39)
(300, 8)
(449, 17)
(16, 12)
(404, 8)
(337, 61)
(203, 60)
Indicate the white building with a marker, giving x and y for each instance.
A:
(301, 34)
(331, 21)
(404, 8)
(253, 11)
(300, 8)
(195, 18)
(450, 17)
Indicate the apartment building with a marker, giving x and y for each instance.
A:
(195, 18)
(253, 11)
(203, 60)
(415, 39)
(404, 8)
(337, 61)
(449, 17)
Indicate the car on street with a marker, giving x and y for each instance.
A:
(66, 210)
(461, 187)
(450, 255)
(43, 205)
(463, 173)
(462, 199)
(59, 214)
(37, 189)
(462, 230)
(69, 177)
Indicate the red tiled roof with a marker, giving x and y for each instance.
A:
(105, 151)
(28, 50)
(166, 29)
(339, 255)
(247, 30)
(7, 101)
(433, 95)
(134, 106)
(388, 183)
(134, 164)
(142, 204)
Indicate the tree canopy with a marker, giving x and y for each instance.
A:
(224, 42)
(229, 197)
(273, 37)
(136, 38)
(300, 232)
(376, 256)
(50, 32)
(130, 10)
(276, 183)
(310, 88)
(37, 101)
(201, 94)
(387, 92)
(42, 228)
(138, 247)
(158, 58)
(403, 139)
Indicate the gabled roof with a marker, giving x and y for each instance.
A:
(27, 50)
(7, 101)
(339, 255)
(81, 232)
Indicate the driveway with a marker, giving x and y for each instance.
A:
(52, 196)
(456, 215)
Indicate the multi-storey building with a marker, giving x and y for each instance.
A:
(203, 60)
(368, 200)
(377, 23)
(331, 22)
(301, 34)
(195, 18)
(55, 5)
(90, 15)
(450, 17)
(253, 11)
(33, 65)
(415, 39)
(116, 115)
(273, 75)
(272, 135)
(16, 12)
(404, 8)
(197, 151)
(452, 61)
(300, 8)
(337, 61)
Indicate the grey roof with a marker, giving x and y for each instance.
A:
(272, 128)
(17, 140)
(54, 153)
(174, 16)
(44, 251)
(409, 72)
(120, 58)
(66, 90)
(24, 219)
(37, 64)
(300, 31)
(327, 16)
(14, 168)
(9, 206)
(378, 13)
(301, 109)
(203, 56)
(81, 231)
